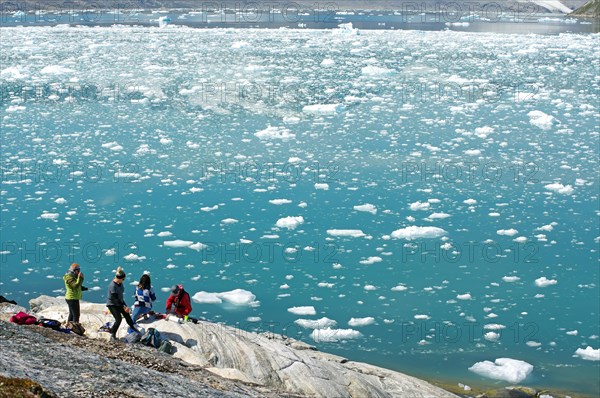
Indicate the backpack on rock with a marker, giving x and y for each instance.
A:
(75, 327)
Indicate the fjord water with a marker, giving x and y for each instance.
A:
(117, 140)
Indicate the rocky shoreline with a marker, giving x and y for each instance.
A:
(591, 9)
(209, 360)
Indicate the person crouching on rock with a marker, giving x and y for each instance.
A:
(73, 283)
(144, 297)
(179, 302)
(116, 305)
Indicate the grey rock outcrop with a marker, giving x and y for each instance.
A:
(267, 360)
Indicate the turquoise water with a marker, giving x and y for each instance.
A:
(143, 131)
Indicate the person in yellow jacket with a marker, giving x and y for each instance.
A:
(74, 285)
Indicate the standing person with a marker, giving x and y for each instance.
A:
(179, 302)
(116, 305)
(73, 283)
(144, 297)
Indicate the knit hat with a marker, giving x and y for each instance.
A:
(120, 273)
(175, 289)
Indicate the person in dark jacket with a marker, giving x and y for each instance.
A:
(179, 302)
(116, 305)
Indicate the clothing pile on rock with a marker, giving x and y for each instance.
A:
(22, 318)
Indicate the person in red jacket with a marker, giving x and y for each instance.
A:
(179, 302)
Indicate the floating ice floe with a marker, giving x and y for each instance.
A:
(126, 176)
(399, 288)
(322, 186)
(544, 282)
(367, 207)
(303, 310)
(588, 354)
(132, 257)
(376, 71)
(178, 243)
(438, 216)
(290, 222)
(465, 296)
(358, 322)
(414, 232)
(324, 109)
(240, 44)
(275, 133)
(492, 336)
(185, 243)
(113, 146)
(494, 326)
(505, 369)
(56, 70)
(280, 201)
(323, 323)
(329, 335)
(163, 21)
(371, 260)
(325, 284)
(11, 73)
(507, 232)
(420, 206)
(239, 297)
(511, 278)
(560, 188)
(541, 120)
(351, 233)
(49, 216)
(346, 29)
(15, 108)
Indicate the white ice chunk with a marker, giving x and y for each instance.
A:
(541, 120)
(544, 282)
(329, 335)
(323, 323)
(324, 109)
(358, 322)
(367, 207)
(589, 354)
(414, 232)
(290, 222)
(353, 233)
(560, 188)
(505, 369)
(303, 310)
(275, 133)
